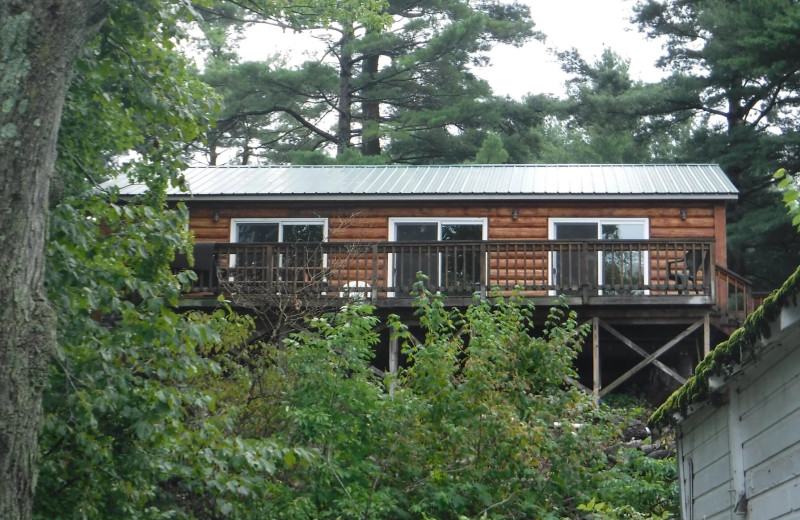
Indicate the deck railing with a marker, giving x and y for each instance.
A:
(590, 268)
(735, 295)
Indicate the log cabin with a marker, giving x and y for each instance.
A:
(638, 251)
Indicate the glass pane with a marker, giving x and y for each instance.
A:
(302, 233)
(572, 266)
(623, 271)
(409, 261)
(576, 231)
(256, 232)
(623, 267)
(462, 232)
(622, 231)
(301, 265)
(416, 232)
(462, 265)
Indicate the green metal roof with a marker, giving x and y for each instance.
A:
(456, 182)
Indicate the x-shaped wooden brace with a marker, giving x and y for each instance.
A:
(648, 358)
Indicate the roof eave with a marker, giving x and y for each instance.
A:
(600, 197)
(744, 345)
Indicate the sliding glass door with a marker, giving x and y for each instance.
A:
(619, 270)
(447, 251)
(411, 259)
(291, 263)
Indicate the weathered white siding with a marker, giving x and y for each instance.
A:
(705, 466)
(748, 443)
(770, 430)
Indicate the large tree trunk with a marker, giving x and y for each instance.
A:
(344, 127)
(40, 41)
(370, 109)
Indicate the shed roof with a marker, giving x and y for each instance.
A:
(745, 345)
(456, 182)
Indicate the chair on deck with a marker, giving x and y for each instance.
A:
(204, 265)
(692, 262)
(356, 291)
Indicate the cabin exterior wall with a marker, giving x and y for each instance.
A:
(769, 416)
(370, 222)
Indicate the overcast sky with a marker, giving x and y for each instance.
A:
(588, 25)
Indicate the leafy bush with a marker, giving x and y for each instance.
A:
(480, 424)
(154, 414)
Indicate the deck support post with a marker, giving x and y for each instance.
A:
(596, 358)
(706, 334)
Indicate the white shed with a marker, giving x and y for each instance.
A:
(737, 420)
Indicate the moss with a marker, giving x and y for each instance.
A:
(739, 348)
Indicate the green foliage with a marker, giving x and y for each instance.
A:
(492, 151)
(788, 187)
(151, 413)
(349, 156)
(637, 487)
(479, 424)
(131, 430)
(731, 73)
(406, 93)
(609, 118)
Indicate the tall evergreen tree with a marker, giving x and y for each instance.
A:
(608, 117)
(396, 90)
(735, 67)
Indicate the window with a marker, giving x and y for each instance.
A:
(296, 263)
(452, 265)
(619, 270)
(275, 230)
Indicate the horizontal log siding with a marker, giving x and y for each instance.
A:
(360, 222)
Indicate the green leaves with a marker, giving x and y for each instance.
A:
(472, 428)
(788, 186)
(131, 427)
(733, 79)
(406, 92)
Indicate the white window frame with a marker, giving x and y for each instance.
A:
(599, 221)
(482, 221)
(439, 221)
(280, 221)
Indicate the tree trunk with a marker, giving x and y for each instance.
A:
(344, 128)
(40, 42)
(212, 137)
(370, 109)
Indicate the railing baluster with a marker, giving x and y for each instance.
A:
(627, 268)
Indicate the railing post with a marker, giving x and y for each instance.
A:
(583, 276)
(374, 292)
(484, 267)
(213, 278)
(712, 273)
(271, 268)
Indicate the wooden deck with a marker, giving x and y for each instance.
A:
(595, 273)
(628, 290)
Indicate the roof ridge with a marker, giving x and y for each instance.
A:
(465, 166)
